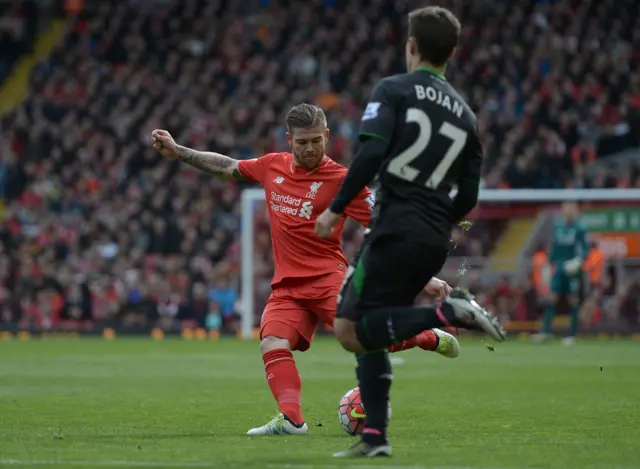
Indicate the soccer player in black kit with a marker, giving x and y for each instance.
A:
(421, 138)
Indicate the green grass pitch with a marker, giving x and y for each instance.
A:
(176, 403)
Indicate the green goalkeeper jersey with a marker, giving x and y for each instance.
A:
(569, 242)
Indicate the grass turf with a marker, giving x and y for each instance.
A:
(176, 403)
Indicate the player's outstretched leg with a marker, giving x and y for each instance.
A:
(434, 340)
(385, 326)
(286, 386)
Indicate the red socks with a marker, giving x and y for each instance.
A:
(285, 383)
(426, 340)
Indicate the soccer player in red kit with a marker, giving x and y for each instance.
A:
(309, 270)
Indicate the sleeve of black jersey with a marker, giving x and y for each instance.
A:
(365, 165)
(378, 118)
(376, 130)
(469, 180)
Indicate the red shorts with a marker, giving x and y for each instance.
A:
(294, 309)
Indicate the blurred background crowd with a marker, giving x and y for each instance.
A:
(95, 226)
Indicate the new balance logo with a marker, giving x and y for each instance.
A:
(279, 180)
(306, 210)
(313, 190)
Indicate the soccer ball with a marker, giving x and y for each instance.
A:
(351, 412)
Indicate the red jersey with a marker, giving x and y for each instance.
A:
(295, 196)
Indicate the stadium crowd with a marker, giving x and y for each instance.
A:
(97, 227)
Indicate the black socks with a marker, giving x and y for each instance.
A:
(374, 378)
(379, 328)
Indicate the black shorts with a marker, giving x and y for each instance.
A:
(389, 270)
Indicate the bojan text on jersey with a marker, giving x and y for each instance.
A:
(433, 146)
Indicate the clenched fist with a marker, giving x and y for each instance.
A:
(164, 143)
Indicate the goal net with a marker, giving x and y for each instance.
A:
(494, 255)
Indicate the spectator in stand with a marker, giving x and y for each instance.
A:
(541, 273)
(18, 28)
(195, 309)
(225, 296)
(632, 303)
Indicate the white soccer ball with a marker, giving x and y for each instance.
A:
(351, 412)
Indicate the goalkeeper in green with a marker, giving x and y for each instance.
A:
(568, 251)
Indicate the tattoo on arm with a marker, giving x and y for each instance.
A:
(210, 162)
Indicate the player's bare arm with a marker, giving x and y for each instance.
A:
(209, 162)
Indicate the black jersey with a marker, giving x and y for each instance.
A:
(433, 145)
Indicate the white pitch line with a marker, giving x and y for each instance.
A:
(214, 465)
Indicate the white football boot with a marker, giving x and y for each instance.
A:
(448, 345)
(279, 426)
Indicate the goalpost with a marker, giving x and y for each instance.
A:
(611, 197)
(249, 197)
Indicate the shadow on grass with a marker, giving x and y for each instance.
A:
(149, 436)
(196, 435)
